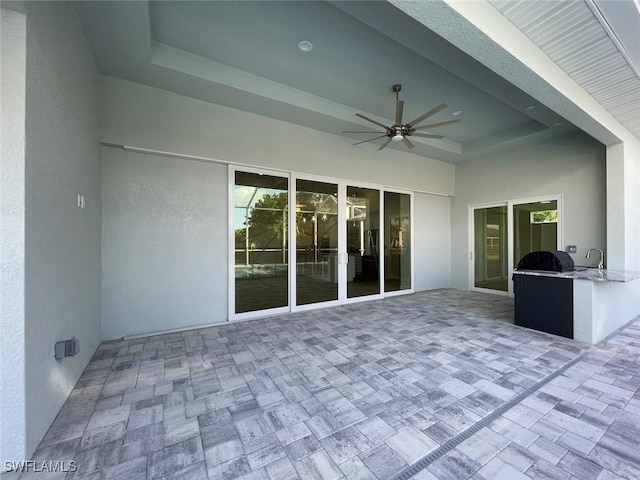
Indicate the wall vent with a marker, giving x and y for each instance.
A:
(66, 348)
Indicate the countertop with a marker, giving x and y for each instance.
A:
(582, 273)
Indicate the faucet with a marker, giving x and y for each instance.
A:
(601, 263)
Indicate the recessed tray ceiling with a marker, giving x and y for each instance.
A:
(244, 55)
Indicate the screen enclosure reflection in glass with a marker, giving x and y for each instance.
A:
(261, 251)
(316, 242)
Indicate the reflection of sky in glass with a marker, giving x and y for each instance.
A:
(246, 196)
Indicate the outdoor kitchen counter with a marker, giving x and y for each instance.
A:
(593, 274)
(600, 300)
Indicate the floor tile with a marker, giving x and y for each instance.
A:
(383, 461)
(411, 444)
(356, 391)
(317, 465)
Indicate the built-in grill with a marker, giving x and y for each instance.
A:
(544, 301)
(550, 261)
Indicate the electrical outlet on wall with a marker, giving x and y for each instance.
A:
(80, 201)
(572, 249)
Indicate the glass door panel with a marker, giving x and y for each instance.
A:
(261, 251)
(397, 244)
(490, 248)
(535, 228)
(316, 242)
(363, 229)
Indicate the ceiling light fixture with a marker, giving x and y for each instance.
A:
(531, 107)
(457, 113)
(398, 135)
(305, 46)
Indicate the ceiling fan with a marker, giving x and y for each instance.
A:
(400, 131)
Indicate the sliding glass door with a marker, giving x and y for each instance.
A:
(490, 248)
(397, 243)
(363, 241)
(501, 234)
(316, 238)
(535, 228)
(261, 207)
(348, 243)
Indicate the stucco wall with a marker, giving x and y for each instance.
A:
(12, 408)
(482, 32)
(62, 242)
(163, 270)
(632, 204)
(432, 246)
(164, 243)
(573, 166)
(140, 116)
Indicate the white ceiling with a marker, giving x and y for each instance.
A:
(596, 42)
(244, 55)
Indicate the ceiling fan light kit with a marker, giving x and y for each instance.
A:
(400, 131)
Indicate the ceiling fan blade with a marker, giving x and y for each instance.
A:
(425, 115)
(386, 142)
(439, 124)
(375, 138)
(427, 135)
(406, 141)
(371, 120)
(399, 109)
(353, 131)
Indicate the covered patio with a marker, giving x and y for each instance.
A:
(441, 385)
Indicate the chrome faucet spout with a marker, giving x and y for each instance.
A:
(601, 263)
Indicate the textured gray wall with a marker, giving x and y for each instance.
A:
(175, 296)
(573, 166)
(164, 243)
(432, 242)
(140, 116)
(63, 242)
(12, 403)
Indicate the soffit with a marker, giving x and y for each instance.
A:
(596, 43)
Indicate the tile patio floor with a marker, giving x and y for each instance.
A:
(355, 392)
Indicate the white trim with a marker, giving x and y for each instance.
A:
(558, 198)
(612, 34)
(343, 267)
(231, 242)
(380, 191)
(269, 312)
(559, 232)
(411, 240)
(293, 248)
(232, 315)
(292, 178)
(472, 245)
